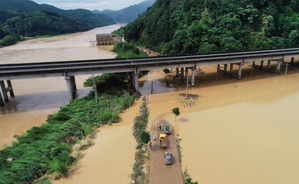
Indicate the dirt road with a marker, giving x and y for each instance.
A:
(160, 173)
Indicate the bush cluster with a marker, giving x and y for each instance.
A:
(127, 50)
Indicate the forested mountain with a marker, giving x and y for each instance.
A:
(127, 14)
(177, 27)
(27, 18)
(38, 23)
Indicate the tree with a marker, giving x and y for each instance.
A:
(145, 137)
(176, 111)
(166, 71)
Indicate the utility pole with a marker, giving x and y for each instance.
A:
(95, 88)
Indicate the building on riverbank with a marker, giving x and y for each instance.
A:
(106, 39)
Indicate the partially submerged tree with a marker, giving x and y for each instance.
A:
(145, 137)
(176, 111)
(166, 71)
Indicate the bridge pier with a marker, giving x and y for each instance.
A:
(222, 71)
(71, 86)
(258, 66)
(231, 69)
(5, 91)
(192, 77)
(186, 74)
(1, 100)
(182, 73)
(136, 84)
(268, 65)
(240, 71)
(177, 71)
(5, 96)
(239, 75)
(292, 60)
(134, 80)
(277, 70)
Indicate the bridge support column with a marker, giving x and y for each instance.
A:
(1, 100)
(186, 73)
(268, 65)
(177, 72)
(192, 77)
(277, 70)
(74, 82)
(231, 69)
(136, 84)
(292, 60)
(225, 68)
(240, 71)
(253, 64)
(12, 94)
(70, 86)
(182, 73)
(4, 92)
(262, 64)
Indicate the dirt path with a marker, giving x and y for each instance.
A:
(160, 173)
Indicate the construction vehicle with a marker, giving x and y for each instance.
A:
(163, 141)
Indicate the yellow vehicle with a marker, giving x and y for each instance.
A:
(163, 141)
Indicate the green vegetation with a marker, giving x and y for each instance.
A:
(119, 32)
(175, 27)
(140, 124)
(10, 40)
(187, 178)
(127, 50)
(176, 111)
(29, 19)
(145, 137)
(179, 149)
(48, 148)
(166, 71)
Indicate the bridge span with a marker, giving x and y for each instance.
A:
(69, 69)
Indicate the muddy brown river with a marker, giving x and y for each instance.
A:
(233, 131)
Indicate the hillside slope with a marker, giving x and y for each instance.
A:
(176, 27)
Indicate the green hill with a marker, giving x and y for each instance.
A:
(176, 27)
(127, 14)
(81, 15)
(27, 18)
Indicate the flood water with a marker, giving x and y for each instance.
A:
(233, 131)
(236, 131)
(36, 98)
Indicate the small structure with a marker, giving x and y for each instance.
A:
(106, 39)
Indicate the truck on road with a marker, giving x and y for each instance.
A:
(163, 141)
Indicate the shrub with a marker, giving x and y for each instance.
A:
(10, 40)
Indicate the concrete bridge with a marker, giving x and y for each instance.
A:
(69, 69)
